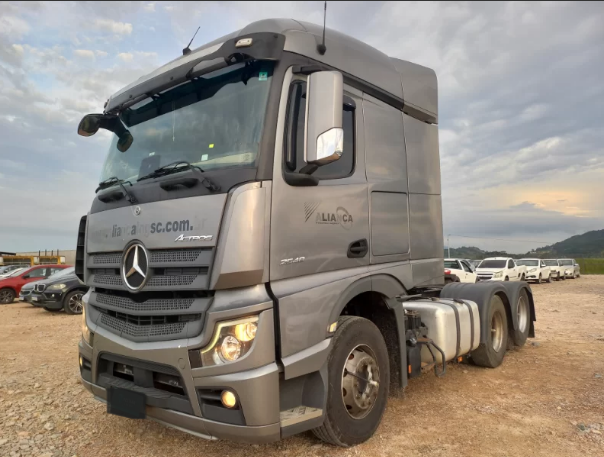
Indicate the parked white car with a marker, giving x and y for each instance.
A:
(500, 269)
(556, 268)
(536, 270)
(571, 268)
(461, 269)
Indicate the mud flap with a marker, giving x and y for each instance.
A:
(399, 313)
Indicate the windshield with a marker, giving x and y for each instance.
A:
(551, 263)
(493, 264)
(528, 263)
(16, 272)
(451, 264)
(63, 272)
(214, 121)
(565, 262)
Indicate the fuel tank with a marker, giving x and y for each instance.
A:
(453, 325)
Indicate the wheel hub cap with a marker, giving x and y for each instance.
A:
(75, 303)
(360, 382)
(497, 332)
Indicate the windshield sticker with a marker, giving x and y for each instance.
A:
(204, 157)
(262, 76)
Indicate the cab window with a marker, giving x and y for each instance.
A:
(510, 264)
(37, 273)
(294, 137)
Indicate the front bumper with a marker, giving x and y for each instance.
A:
(48, 299)
(255, 379)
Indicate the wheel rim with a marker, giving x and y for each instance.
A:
(75, 303)
(522, 314)
(497, 332)
(360, 382)
(5, 296)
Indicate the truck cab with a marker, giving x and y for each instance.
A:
(268, 216)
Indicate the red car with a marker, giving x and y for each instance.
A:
(11, 286)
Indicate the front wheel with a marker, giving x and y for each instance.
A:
(539, 280)
(72, 304)
(7, 296)
(358, 383)
(549, 278)
(507, 278)
(490, 354)
(523, 277)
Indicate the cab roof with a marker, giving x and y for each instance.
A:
(414, 84)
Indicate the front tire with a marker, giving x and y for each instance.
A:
(491, 353)
(523, 277)
(539, 280)
(72, 303)
(7, 296)
(354, 406)
(549, 278)
(507, 278)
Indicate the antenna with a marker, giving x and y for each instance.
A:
(321, 48)
(187, 50)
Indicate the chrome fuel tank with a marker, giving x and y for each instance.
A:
(454, 325)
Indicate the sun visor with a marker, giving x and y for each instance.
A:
(420, 90)
(255, 46)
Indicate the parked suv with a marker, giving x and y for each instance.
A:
(500, 269)
(571, 268)
(556, 269)
(536, 270)
(11, 285)
(61, 291)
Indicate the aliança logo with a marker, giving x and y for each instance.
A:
(340, 216)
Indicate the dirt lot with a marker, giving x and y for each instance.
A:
(547, 399)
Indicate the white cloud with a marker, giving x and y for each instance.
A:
(13, 27)
(85, 53)
(108, 25)
(149, 7)
(101, 53)
(125, 56)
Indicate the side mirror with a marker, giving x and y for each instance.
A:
(26, 277)
(125, 141)
(324, 142)
(90, 124)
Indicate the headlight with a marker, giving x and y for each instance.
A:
(231, 341)
(85, 329)
(532, 270)
(57, 287)
(566, 272)
(498, 274)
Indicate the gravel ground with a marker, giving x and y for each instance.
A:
(547, 399)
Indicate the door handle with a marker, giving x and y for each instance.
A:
(358, 249)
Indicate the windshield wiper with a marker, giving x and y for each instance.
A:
(177, 167)
(114, 181)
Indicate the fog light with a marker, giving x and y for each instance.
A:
(228, 398)
(246, 332)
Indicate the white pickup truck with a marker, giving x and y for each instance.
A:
(459, 270)
(536, 270)
(500, 269)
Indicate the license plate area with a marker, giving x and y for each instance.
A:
(126, 403)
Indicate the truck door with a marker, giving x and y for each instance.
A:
(515, 271)
(326, 227)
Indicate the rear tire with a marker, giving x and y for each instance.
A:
(523, 313)
(7, 296)
(491, 353)
(351, 419)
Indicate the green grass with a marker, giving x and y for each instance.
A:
(591, 266)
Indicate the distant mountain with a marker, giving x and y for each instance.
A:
(587, 245)
(590, 244)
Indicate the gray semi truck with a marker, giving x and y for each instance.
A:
(265, 249)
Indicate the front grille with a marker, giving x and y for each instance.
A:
(142, 321)
(126, 328)
(110, 258)
(178, 304)
(175, 255)
(108, 280)
(171, 281)
(39, 287)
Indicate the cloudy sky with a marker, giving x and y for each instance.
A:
(521, 95)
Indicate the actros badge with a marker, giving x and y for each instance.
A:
(194, 238)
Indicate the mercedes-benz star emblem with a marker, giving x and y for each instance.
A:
(135, 267)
